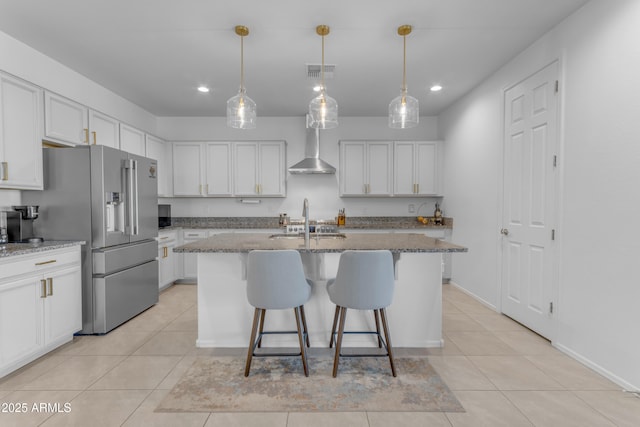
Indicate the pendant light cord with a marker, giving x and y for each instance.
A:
(241, 62)
(322, 70)
(404, 64)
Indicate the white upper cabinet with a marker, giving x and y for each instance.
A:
(70, 123)
(218, 169)
(366, 168)
(66, 121)
(259, 168)
(104, 130)
(187, 169)
(416, 169)
(132, 140)
(159, 150)
(20, 134)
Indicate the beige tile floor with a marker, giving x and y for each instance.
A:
(502, 373)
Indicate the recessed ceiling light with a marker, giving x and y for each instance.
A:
(203, 89)
(436, 88)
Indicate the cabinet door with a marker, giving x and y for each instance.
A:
(404, 159)
(427, 170)
(352, 168)
(63, 304)
(246, 169)
(218, 162)
(20, 320)
(190, 260)
(271, 164)
(187, 169)
(20, 134)
(156, 149)
(66, 121)
(131, 140)
(104, 130)
(379, 168)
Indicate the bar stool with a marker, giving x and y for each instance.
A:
(276, 281)
(365, 281)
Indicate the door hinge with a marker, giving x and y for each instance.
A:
(553, 234)
(557, 87)
(555, 161)
(551, 307)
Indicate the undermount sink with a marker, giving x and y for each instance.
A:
(312, 236)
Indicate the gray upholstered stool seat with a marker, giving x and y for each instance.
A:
(276, 281)
(365, 281)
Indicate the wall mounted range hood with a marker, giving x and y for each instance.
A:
(312, 163)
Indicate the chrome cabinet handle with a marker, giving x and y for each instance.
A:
(504, 231)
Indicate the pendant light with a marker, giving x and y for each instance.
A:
(241, 110)
(323, 110)
(404, 110)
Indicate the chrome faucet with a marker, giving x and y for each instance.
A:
(305, 213)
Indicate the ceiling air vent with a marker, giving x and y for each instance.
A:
(313, 71)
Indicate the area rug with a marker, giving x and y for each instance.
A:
(218, 384)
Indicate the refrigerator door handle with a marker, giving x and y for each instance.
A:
(129, 173)
(134, 174)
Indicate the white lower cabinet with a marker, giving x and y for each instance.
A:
(190, 260)
(168, 268)
(40, 305)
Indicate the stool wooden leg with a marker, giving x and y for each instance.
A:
(335, 323)
(383, 315)
(375, 313)
(303, 351)
(336, 359)
(254, 328)
(261, 327)
(304, 324)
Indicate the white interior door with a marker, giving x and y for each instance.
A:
(529, 201)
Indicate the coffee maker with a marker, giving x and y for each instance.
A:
(20, 224)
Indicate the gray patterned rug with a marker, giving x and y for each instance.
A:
(217, 384)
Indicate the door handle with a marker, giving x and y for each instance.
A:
(43, 293)
(504, 231)
(50, 282)
(86, 135)
(5, 171)
(95, 137)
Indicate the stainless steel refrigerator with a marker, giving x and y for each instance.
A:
(108, 198)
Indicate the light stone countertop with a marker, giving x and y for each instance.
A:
(395, 242)
(14, 249)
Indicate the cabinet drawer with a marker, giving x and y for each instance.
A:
(166, 237)
(194, 234)
(34, 263)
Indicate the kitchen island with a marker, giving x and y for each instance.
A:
(224, 315)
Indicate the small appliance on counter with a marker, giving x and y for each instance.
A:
(164, 216)
(20, 224)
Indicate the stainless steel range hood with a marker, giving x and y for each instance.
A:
(312, 163)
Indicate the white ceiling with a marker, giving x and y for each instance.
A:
(156, 52)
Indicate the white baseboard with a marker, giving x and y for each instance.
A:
(474, 296)
(599, 369)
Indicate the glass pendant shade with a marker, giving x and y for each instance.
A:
(403, 112)
(241, 111)
(323, 109)
(323, 112)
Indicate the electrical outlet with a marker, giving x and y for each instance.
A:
(412, 208)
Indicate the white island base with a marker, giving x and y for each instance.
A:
(225, 316)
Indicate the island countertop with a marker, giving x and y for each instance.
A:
(394, 242)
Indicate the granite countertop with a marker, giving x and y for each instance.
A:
(352, 223)
(14, 249)
(395, 242)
